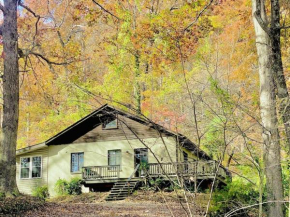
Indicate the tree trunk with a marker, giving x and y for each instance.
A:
(10, 100)
(261, 190)
(277, 67)
(270, 135)
(137, 83)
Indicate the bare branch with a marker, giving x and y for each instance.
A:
(2, 8)
(231, 212)
(285, 27)
(198, 16)
(49, 61)
(35, 15)
(28, 9)
(102, 8)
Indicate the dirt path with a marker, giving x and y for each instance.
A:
(128, 209)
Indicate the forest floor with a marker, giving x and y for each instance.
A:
(139, 204)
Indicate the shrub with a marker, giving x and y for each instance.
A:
(61, 186)
(41, 192)
(235, 195)
(73, 187)
(157, 184)
(14, 206)
(2, 196)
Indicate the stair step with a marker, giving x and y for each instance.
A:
(125, 189)
(116, 193)
(117, 197)
(126, 182)
(121, 190)
(132, 186)
(114, 199)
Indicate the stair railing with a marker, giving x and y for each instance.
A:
(129, 179)
(135, 170)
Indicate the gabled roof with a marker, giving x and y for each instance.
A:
(104, 113)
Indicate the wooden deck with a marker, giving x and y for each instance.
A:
(101, 172)
(199, 170)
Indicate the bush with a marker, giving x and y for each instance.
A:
(156, 184)
(41, 192)
(61, 186)
(14, 206)
(2, 196)
(73, 187)
(233, 196)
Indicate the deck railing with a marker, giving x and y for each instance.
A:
(101, 172)
(201, 168)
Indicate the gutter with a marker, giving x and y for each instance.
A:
(30, 148)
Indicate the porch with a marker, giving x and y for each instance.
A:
(195, 169)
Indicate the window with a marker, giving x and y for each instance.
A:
(77, 162)
(30, 167)
(36, 167)
(114, 158)
(25, 167)
(110, 125)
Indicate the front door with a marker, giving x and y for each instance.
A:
(141, 158)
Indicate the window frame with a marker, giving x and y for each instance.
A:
(80, 168)
(30, 167)
(110, 128)
(120, 156)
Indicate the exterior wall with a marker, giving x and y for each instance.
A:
(191, 156)
(26, 186)
(122, 132)
(96, 154)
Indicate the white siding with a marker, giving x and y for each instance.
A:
(26, 186)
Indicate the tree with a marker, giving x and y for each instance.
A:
(10, 99)
(11, 54)
(266, 51)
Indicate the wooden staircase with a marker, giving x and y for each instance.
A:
(121, 190)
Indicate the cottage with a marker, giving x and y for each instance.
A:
(112, 147)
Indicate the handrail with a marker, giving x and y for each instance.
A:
(199, 167)
(135, 170)
(101, 172)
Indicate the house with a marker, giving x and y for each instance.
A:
(110, 146)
